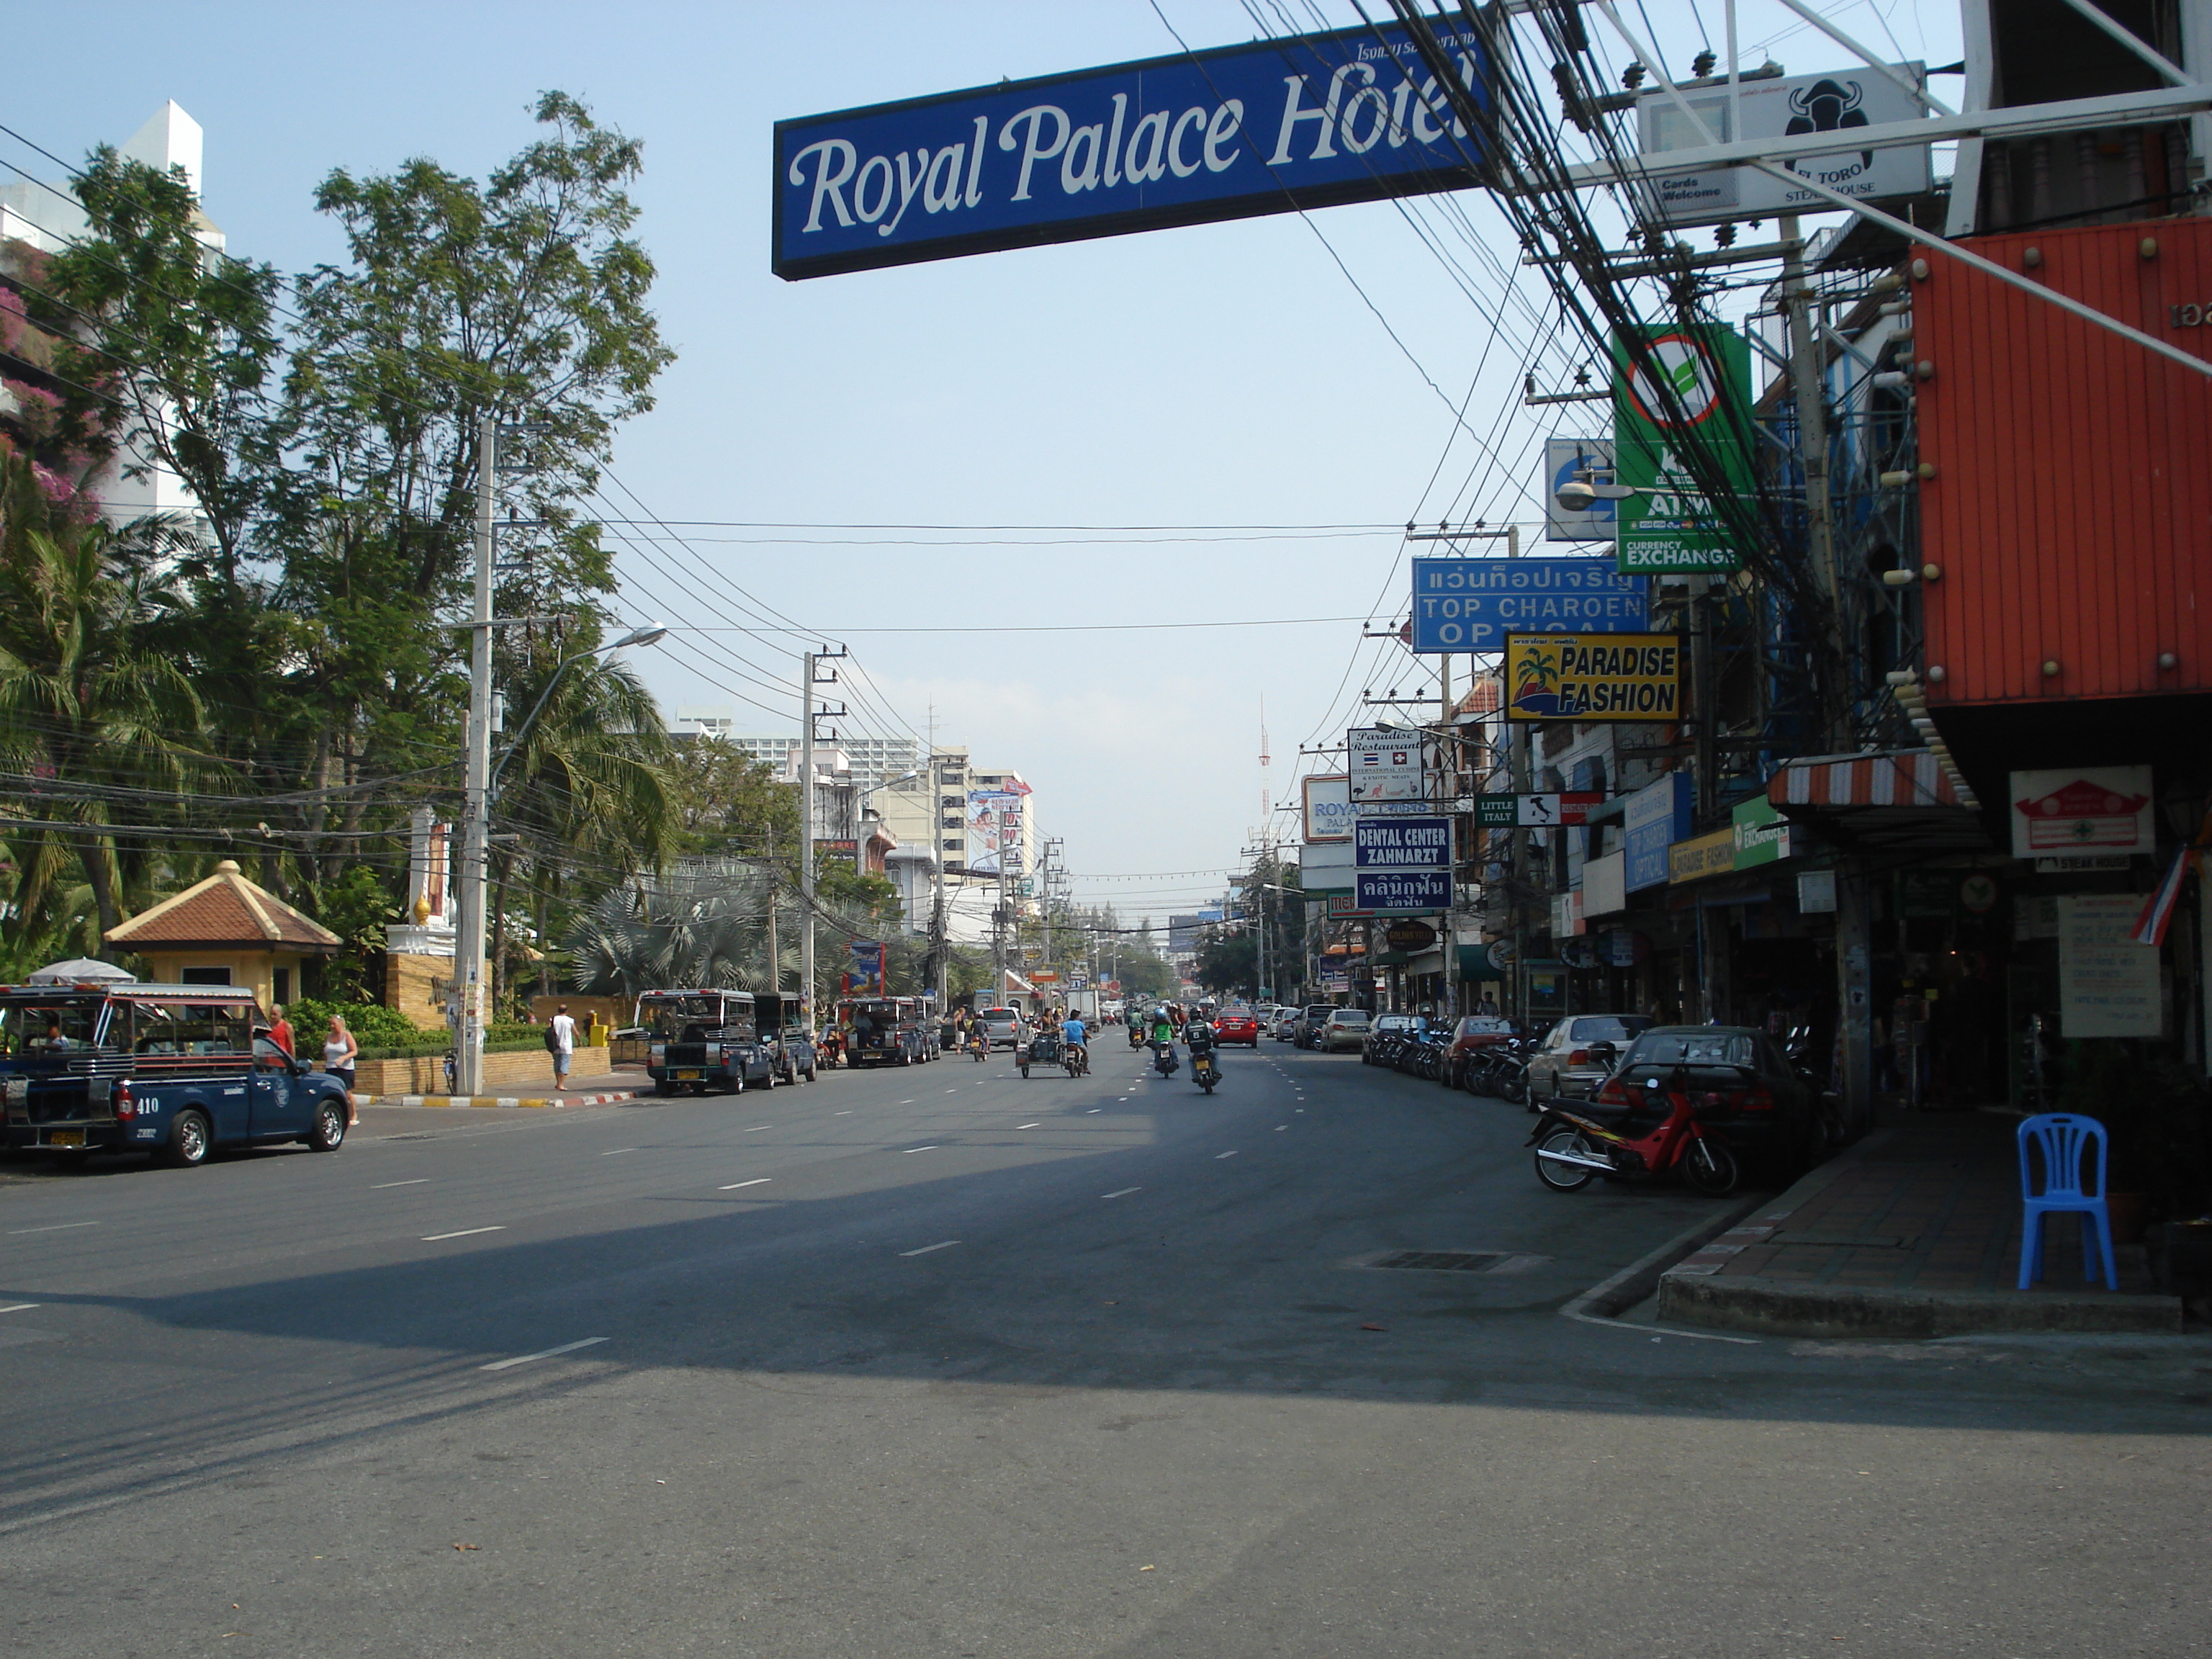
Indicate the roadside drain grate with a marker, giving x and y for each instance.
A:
(1445, 1261)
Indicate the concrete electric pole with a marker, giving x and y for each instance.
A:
(476, 833)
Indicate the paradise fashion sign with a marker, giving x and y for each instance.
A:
(1471, 605)
(1275, 127)
(1595, 676)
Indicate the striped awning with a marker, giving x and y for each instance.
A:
(1898, 801)
(1901, 778)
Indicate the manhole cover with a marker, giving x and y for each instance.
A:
(1445, 1261)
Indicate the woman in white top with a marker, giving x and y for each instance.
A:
(340, 1050)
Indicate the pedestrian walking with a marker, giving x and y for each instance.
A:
(561, 1038)
(280, 1030)
(339, 1053)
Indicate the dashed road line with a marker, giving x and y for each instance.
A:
(381, 1185)
(543, 1353)
(465, 1232)
(930, 1148)
(1231, 1153)
(1124, 1193)
(758, 1180)
(58, 1227)
(1029, 1126)
(19, 1307)
(927, 1248)
(617, 1153)
(757, 1128)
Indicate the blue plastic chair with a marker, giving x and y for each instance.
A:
(2062, 1138)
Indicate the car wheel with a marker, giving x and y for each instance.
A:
(809, 1074)
(191, 1138)
(329, 1131)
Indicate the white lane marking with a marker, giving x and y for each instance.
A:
(617, 1153)
(543, 1353)
(19, 1307)
(465, 1232)
(1217, 1157)
(1279, 1127)
(1029, 1126)
(927, 1248)
(58, 1227)
(757, 1128)
(1124, 1193)
(906, 1102)
(1093, 1110)
(381, 1185)
(952, 1091)
(758, 1180)
(847, 1112)
(1300, 1110)
(920, 1149)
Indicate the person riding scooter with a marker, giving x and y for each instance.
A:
(1205, 1055)
(1072, 1033)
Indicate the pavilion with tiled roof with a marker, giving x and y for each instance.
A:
(225, 930)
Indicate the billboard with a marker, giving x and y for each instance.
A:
(1593, 677)
(1471, 605)
(1652, 820)
(1387, 765)
(1402, 892)
(1811, 105)
(863, 967)
(1563, 458)
(1401, 844)
(1272, 126)
(994, 831)
(1328, 803)
(1670, 525)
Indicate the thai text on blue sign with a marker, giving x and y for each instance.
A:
(1406, 892)
(1401, 844)
(1652, 820)
(1271, 127)
(1470, 605)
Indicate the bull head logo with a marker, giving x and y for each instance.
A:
(1828, 105)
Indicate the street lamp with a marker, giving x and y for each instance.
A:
(469, 953)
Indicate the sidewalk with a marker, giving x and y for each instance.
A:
(1914, 1232)
(607, 1091)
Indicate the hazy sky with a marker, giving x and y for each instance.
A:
(1231, 375)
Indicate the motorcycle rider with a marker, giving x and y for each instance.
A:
(1198, 1034)
(1072, 1032)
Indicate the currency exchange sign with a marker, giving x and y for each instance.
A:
(1273, 126)
(1471, 605)
(1670, 524)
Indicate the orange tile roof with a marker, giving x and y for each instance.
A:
(224, 909)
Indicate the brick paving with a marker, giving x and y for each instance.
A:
(1931, 1204)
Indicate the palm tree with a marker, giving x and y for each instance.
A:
(705, 924)
(99, 726)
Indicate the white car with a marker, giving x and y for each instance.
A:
(1344, 1028)
(1285, 1024)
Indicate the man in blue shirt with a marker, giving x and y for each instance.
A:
(1077, 1038)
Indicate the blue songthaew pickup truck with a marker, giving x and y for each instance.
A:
(175, 1070)
(707, 1040)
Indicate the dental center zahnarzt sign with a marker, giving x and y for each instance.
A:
(1269, 127)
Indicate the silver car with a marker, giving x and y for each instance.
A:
(1580, 1053)
(1344, 1028)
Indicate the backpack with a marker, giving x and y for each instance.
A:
(552, 1039)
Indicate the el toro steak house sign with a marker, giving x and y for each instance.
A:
(1270, 127)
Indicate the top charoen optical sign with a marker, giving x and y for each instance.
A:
(1270, 127)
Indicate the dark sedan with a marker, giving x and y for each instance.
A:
(1739, 1082)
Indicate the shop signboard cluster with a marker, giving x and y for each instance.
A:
(2081, 818)
(1272, 126)
(1471, 605)
(1535, 811)
(1388, 767)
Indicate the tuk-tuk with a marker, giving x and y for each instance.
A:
(880, 1031)
(781, 1019)
(707, 1040)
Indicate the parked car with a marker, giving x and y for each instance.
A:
(1344, 1028)
(1580, 1053)
(1237, 1027)
(1308, 1030)
(1385, 1030)
(1285, 1025)
(173, 1070)
(1474, 1032)
(1740, 1082)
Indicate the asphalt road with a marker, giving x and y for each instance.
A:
(939, 1361)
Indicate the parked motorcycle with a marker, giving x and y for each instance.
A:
(1572, 1149)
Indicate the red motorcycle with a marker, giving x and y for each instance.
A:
(1572, 1151)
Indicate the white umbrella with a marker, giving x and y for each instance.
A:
(78, 968)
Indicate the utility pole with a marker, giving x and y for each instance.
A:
(468, 924)
(1805, 384)
(806, 718)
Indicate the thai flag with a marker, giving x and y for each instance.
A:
(2158, 912)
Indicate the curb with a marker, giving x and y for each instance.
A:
(1695, 1294)
(553, 1102)
(1610, 1297)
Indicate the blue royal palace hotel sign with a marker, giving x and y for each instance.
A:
(1312, 121)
